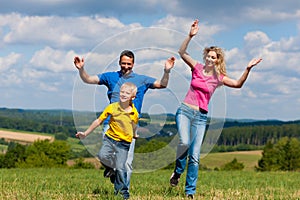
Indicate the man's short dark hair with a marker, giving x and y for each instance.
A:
(128, 54)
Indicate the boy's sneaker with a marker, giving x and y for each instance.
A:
(112, 178)
(174, 179)
(108, 172)
(190, 196)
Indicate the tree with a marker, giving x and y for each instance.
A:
(284, 155)
(233, 165)
(61, 136)
(46, 154)
(81, 164)
(15, 153)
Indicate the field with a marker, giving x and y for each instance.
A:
(23, 137)
(217, 160)
(70, 184)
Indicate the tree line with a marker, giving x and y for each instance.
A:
(242, 135)
(39, 154)
(281, 156)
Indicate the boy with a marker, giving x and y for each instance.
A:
(117, 140)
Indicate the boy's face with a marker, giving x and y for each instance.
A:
(125, 94)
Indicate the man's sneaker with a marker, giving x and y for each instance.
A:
(108, 172)
(190, 196)
(174, 179)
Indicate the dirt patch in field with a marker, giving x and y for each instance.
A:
(23, 137)
(257, 152)
(93, 161)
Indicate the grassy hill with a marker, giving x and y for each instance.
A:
(67, 184)
(217, 160)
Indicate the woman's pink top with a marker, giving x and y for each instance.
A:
(202, 87)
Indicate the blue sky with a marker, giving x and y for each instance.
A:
(38, 40)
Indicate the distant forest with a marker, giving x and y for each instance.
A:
(234, 132)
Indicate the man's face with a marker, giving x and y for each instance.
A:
(126, 64)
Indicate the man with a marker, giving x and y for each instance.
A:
(114, 80)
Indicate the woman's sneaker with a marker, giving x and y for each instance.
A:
(174, 179)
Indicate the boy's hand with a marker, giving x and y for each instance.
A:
(80, 135)
(136, 136)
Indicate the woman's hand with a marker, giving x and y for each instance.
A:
(194, 28)
(253, 62)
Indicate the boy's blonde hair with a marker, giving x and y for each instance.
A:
(131, 87)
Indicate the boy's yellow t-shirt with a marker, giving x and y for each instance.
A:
(121, 123)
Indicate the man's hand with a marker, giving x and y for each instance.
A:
(169, 64)
(79, 63)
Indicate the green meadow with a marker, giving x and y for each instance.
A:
(71, 184)
(80, 184)
(217, 160)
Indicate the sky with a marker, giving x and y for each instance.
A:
(39, 39)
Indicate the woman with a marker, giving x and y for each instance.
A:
(191, 116)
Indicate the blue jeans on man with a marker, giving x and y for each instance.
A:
(191, 126)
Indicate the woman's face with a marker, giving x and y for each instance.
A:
(211, 59)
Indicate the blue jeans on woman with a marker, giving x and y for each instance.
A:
(191, 126)
(113, 154)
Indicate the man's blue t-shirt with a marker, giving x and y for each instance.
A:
(114, 80)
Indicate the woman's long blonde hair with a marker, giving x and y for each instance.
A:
(220, 65)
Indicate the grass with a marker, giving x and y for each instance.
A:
(248, 158)
(68, 184)
(3, 148)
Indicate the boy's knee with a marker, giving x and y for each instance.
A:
(102, 156)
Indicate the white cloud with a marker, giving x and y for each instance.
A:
(268, 15)
(60, 32)
(9, 61)
(53, 60)
(10, 79)
(48, 88)
(33, 74)
(38, 49)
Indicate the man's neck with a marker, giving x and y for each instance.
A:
(126, 73)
